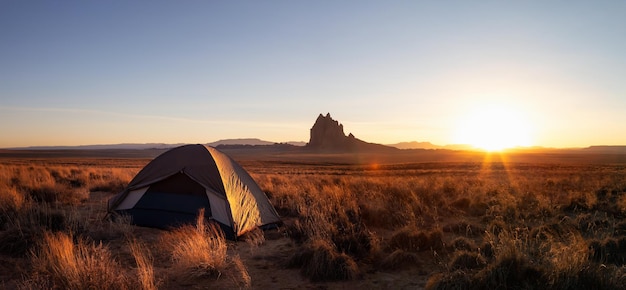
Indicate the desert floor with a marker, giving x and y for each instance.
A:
(424, 220)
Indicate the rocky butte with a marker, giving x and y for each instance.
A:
(327, 136)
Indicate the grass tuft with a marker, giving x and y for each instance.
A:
(609, 251)
(467, 260)
(399, 259)
(319, 261)
(240, 275)
(145, 268)
(199, 250)
(67, 265)
(410, 239)
(465, 244)
(26, 228)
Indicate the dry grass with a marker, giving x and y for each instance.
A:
(25, 229)
(399, 259)
(319, 261)
(198, 250)
(254, 239)
(11, 204)
(466, 225)
(414, 240)
(239, 275)
(80, 265)
(107, 229)
(467, 260)
(145, 268)
(526, 219)
(48, 183)
(521, 262)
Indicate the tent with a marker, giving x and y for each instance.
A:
(172, 188)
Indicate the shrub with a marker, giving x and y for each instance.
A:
(549, 257)
(298, 232)
(335, 217)
(620, 228)
(511, 271)
(594, 276)
(112, 180)
(410, 239)
(11, 203)
(197, 250)
(115, 227)
(496, 226)
(465, 244)
(464, 228)
(111, 186)
(478, 208)
(77, 266)
(454, 280)
(610, 250)
(319, 261)
(467, 260)
(57, 193)
(487, 250)
(25, 230)
(461, 203)
(356, 241)
(17, 242)
(145, 268)
(399, 259)
(240, 275)
(553, 231)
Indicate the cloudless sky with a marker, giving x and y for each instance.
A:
(104, 72)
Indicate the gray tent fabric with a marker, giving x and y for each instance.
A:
(161, 195)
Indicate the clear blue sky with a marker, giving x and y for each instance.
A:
(102, 72)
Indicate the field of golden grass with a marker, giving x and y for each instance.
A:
(475, 224)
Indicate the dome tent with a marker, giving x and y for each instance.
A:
(172, 188)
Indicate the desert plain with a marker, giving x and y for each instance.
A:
(411, 219)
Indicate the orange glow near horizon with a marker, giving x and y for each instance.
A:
(494, 128)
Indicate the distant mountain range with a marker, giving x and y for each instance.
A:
(255, 142)
(137, 146)
(252, 141)
(145, 146)
(227, 142)
(428, 145)
(327, 135)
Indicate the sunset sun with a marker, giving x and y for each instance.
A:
(494, 128)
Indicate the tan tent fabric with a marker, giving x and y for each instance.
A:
(249, 205)
(132, 198)
(220, 210)
(235, 199)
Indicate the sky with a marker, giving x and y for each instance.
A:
(107, 72)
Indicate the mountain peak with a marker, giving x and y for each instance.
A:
(327, 135)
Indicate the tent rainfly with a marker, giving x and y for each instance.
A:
(172, 188)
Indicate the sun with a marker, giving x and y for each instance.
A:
(494, 128)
